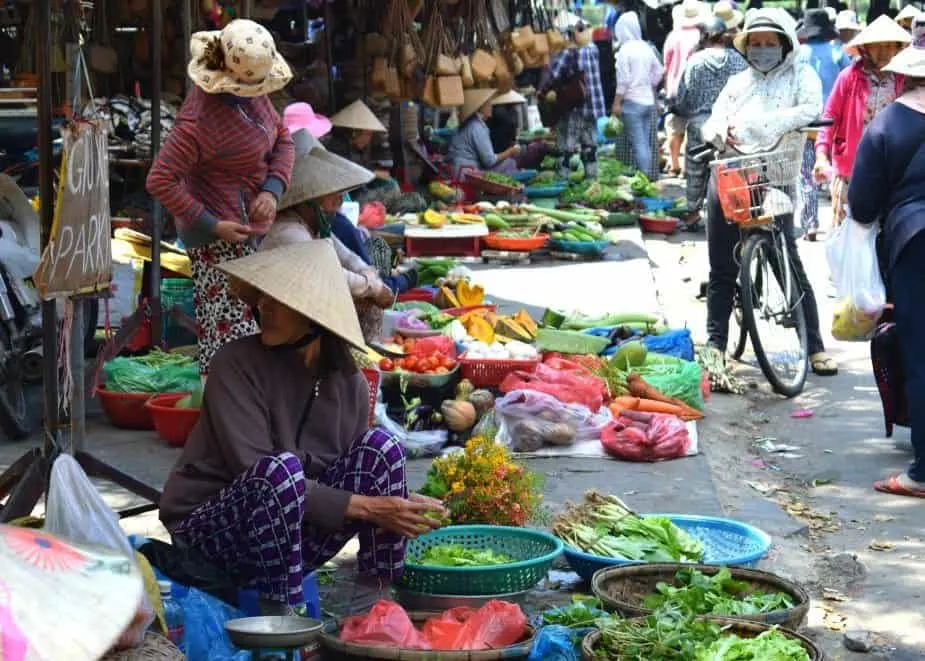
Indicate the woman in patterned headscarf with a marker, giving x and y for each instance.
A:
(860, 93)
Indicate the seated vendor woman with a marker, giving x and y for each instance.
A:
(471, 146)
(282, 468)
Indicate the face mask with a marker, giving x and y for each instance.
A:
(765, 58)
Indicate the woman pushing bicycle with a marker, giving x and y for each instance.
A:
(762, 109)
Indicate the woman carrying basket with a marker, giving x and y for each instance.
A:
(756, 110)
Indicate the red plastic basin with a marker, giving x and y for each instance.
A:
(172, 424)
(126, 410)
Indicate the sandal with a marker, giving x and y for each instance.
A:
(823, 365)
(894, 485)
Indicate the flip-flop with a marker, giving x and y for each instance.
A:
(823, 365)
(893, 486)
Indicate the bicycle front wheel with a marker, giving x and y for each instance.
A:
(772, 311)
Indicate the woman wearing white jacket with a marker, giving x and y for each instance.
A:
(770, 100)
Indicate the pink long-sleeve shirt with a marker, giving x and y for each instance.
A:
(679, 46)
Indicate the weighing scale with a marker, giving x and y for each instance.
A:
(276, 638)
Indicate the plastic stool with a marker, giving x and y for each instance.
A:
(247, 599)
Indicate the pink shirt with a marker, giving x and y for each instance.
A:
(679, 46)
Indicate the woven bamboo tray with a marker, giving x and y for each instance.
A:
(738, 627)
(623, 588)
(330, 641)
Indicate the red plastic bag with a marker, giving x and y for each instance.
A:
(639, 436)
(584, 362)
(495, 625)
(386, 625)
(569, 386)
(372, 215)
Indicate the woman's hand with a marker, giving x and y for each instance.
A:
(233, 232)
(383, 298)
(617, 109)
(435, 503)
(731, 138)
(263, 209)
(821, 169)
(402, 516)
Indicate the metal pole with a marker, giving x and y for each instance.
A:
(329, 53)
(46, 215)
(245, 8)
(187, 24)
(78, 362)
(158, 214)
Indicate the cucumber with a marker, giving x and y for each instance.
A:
(496, 222)
(634, 320)
(552, 318)
(563, 216)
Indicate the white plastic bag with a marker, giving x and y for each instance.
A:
(75, 511)
(414, 443)
(852, 257)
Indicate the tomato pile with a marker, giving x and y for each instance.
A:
(418, 358)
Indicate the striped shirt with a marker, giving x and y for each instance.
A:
(220, 149)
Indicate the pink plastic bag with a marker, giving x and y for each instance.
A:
(372, 215)
(495, 625)
(569, 386)
(386, 625)
(638, 436)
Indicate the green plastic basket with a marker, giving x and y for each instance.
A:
(533, 550)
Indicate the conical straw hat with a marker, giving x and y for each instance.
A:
(908, 62)
(509, 98)
(306, 277)
(62, 601)
(475, 99)
(358, 116)
(908, 13)
(317, 172)
(884, 30)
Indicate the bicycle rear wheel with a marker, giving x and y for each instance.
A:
(774, 317)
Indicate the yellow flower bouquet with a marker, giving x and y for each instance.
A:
(483, 484)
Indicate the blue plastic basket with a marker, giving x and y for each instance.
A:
(524, 175)
(554, 190)
(653, 204)
(725, 542)
(579, 247)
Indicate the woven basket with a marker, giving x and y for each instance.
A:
(742, 629)
(329, 640)
(623, 588)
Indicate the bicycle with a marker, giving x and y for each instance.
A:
(757, 191)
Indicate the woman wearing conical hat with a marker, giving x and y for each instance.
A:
(471, 147)
(304, 216)
(282, 469)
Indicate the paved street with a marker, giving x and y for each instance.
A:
(823, 534)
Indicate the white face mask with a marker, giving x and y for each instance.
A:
(764, 58)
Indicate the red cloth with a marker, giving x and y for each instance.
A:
(218, 148)
(846, 108)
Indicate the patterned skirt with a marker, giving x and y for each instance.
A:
(220, 317)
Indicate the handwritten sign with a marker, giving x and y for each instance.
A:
(78, 257)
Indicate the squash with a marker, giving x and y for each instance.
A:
(482, 400)
(470, 295)
(481, 330)
(509, 328)
(459, 416)
(524, 319)
(446, 299)
(464, 390)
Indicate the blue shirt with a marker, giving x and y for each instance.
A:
(827, 59)
(472, 146)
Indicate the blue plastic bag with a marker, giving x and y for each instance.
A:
(558, 643)
(677, 343)
(204, 619)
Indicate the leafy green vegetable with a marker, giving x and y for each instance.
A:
(641, 186)
(456, 555)
(548, 163)
(613, 128)
(771, 645)
(156, 372)
(664, 636)
(610, 171)
(545, 178)
(499, 178)
(582, 612)
(715, 595)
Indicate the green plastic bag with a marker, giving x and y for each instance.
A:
(158, 372)
(676, 378)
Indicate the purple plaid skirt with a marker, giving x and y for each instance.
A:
(253, 528)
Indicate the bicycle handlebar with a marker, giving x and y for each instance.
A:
(708, 151)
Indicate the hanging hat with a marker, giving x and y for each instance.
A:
(884, 30)
(817, 25)
(907, 15)
(359, 117)
(909, 61)
(509, 99)
(475, 99)
(689, 13)
(306, 277)
(298, 116)
(848, 20)
(317, 172)
(62, 601)
(241, 59)
(727, 12)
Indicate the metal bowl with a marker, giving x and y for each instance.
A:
(422, 601)
(273, 632)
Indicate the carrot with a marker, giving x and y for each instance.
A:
(638, 387)
(620, 404)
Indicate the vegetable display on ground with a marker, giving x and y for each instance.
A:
(719, 594)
